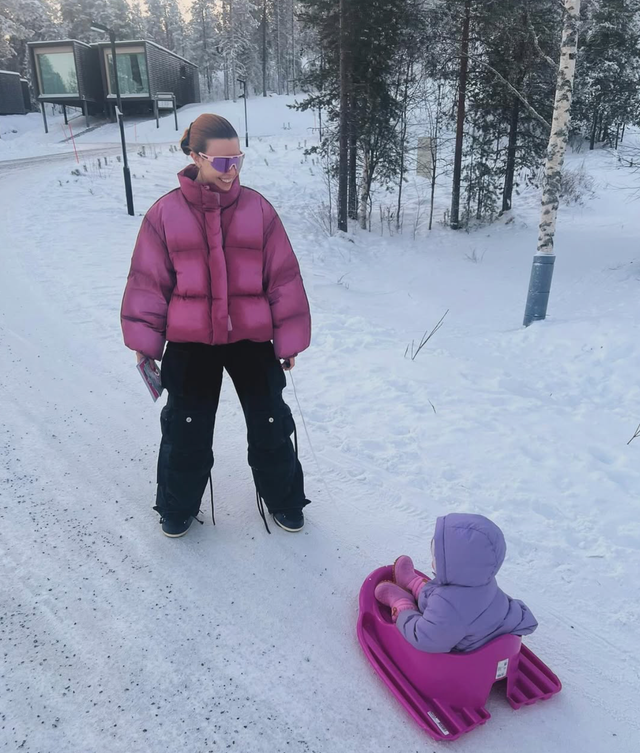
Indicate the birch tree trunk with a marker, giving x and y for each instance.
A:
(543, 262)
(559, 128)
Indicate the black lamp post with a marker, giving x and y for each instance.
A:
(244, 96)
(125, 162)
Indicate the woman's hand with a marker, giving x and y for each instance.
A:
(288, 363)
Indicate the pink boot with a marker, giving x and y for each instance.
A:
(396, 598)
(405, 576)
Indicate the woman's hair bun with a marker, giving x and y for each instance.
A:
(184, 142)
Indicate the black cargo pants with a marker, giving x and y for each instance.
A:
(192, 375)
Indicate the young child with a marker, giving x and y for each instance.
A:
(462, 608)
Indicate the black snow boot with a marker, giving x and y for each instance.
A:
(175, 526)
(292, 521)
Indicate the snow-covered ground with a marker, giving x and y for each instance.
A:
(23, 136)
(118, 640)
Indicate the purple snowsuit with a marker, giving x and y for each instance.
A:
(462, 608)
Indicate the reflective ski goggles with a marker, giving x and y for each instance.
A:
(224, 164)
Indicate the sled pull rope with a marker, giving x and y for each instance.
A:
(260, 504)
(306, 431)
(213, 512)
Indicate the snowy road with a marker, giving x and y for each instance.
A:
(117, 640)
(7, 166)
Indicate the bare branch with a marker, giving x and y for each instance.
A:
(628, 162)
(541, 52)
(513, 90)
(635, 436)
(425, 338)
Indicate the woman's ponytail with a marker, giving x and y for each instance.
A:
(184, 142)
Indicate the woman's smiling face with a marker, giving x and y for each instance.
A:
(217, 148)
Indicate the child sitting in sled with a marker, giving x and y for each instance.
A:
(462, 608)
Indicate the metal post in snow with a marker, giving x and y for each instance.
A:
(244, 96)
(246, 124)
(119, 114)
(125, 167)
(175, 110)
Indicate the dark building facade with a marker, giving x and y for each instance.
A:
(11, 96)
(75, 74)
(67, 72)
(144, 70)
(26, 94)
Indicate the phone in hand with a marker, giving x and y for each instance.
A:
(150, 374)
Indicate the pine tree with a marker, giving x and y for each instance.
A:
(165, 25)
(23, 21)
(175, 27)
(203, 41)
(117, 15)
(11, 27)
(137, 20)
(236, 33)
(502, 113)
(78, 16)
(375, 47)
(154, 22)
(608, 69)
(511, 98)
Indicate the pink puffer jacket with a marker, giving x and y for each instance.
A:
(214, 268)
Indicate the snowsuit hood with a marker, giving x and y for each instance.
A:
(469, 550)
(463, 608)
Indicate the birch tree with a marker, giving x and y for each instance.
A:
(559, 128)
(538, 297)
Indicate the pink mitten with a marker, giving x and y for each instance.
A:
(405, 576)
(394, 597)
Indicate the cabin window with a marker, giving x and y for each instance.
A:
(132, 73)
(57, 73)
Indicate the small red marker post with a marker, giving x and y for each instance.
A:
(73, 141)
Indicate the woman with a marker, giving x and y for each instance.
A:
(214, 275)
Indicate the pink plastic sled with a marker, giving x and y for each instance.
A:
(446, 693)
